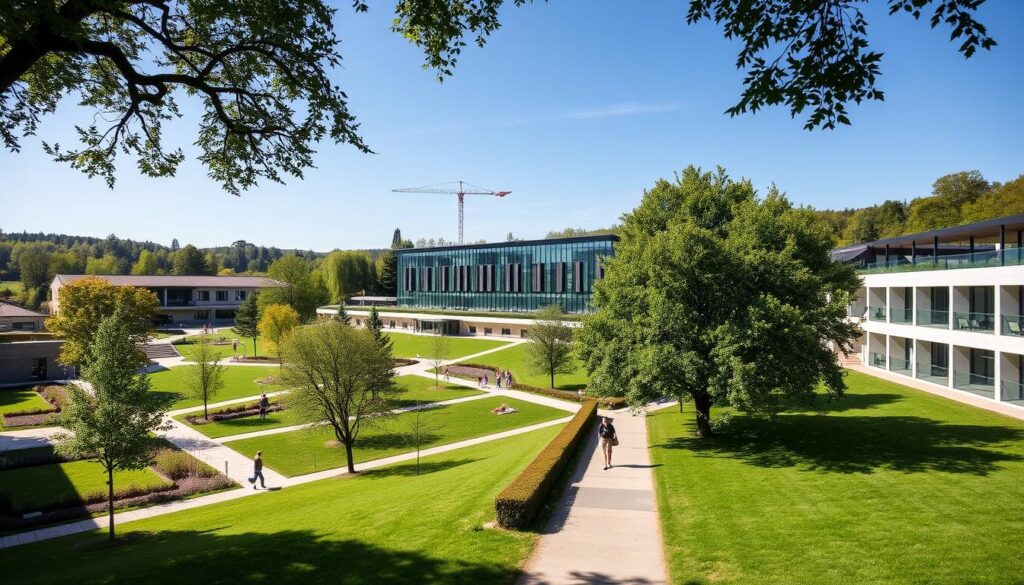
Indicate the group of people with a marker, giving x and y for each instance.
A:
(502, 377)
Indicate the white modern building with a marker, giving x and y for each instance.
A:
(945, 307)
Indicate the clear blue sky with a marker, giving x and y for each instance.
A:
(576, 106)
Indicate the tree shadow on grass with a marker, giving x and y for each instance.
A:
(283, 557)
(409, 469)
(382, 441)
(851, 401)
(858, 444)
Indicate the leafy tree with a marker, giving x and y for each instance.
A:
(347, 273)
(338, 376)
(550, 348)
(275, 325)
(438, 350)
(301, 290)
(175, 246)
(950, 195)
(205, 377)
(396, 239)
(387, 273)
(720, 296)
(33, 265)
(86, 302)
(112, 424)
(577, 232)
(342, 315)
(1002, 200)
(875, 222)
(247, 320)
(108, 264)
(146, 264)
(190, 261)
(375, 326)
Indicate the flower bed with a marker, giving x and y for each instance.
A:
(232, 412)
(399, 362)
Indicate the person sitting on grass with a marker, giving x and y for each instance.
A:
(504, 409)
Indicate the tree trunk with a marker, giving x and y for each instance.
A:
(206, 412)
(552, 379)
(348, 454)
(110, 501)
(702, 407)
(253, 348)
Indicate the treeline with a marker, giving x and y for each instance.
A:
(956, 199)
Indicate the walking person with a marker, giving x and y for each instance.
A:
(264, 406)
(608, 440)
(447, 375)
(498, 377)
(257, 467)
(234, 347)
(508, 379)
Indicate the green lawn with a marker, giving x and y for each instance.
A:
(387, 526)
(513, 359)
(224, 349)
(14, 285)
(20, 399)
(306, 451)
(415, 389)
(408, 345)
(30, 488)
(239, 382)
(888, 485)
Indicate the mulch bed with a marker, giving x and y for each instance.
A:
(250, 359)
(399, 362)
(232, 413)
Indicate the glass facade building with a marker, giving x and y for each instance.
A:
(506, 276)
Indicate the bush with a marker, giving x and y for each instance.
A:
(55, 395)
(518, 504)
(179, 465)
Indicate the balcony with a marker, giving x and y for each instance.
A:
(900, 366)
(976, 322)
(933, 318)
(983, 259)
(975, 384)
(878, 314)
(877, 360)
(1013, 325)
(934, 374)
(902, 316)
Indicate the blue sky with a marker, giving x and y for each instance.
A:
(575, 106)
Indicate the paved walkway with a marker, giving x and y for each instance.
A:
(27, 438)
(605, 528)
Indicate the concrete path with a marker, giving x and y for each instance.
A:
(235, 465)
(605, 528)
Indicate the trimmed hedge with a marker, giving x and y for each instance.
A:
(518, 504)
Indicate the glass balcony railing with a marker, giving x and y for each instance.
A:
(975, 383)
(982, 259)
(1012, 390)
(900, 366)
(932, 318)
(877, 360)
(977, 322)
(878, 314)
(1013, 325)
(933, 374)
(902, 316)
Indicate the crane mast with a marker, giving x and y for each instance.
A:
(460, 192)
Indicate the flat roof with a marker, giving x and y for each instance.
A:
(984, 232)
(172, 280)
(366, 298)
(11, 310)
(597, 238)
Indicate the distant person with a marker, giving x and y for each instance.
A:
(234, 346)
(447, 375)
(264, 406)
(257, 467)
(508, 379)
(608, 440)
(497, 380)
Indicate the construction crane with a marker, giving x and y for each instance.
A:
(463, 190)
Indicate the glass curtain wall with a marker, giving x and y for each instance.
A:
(512, 276)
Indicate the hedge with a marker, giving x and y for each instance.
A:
(518, 504)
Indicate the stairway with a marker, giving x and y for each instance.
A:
(154, 351)
(852, 359)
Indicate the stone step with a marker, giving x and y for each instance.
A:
(159, 350)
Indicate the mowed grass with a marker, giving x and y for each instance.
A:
(41, 486)
(239, 382)
(305, 451)
(887, 485)
(408, 345)
(14, 285)
(18, 400)
(513, 359)
(413, 390)
(222, 339)
(385, 526)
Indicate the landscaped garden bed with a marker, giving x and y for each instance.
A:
(29, 407)
(473, 371)
(232, 412)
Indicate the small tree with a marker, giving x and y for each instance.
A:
(438, 350)
(375, 327)
(550, 348)
(419, 427)
(112, 424)
(342, 316)
(275, 324)
(339, 376)
(247, 320)
(206, 377)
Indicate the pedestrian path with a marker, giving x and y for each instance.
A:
(605, 528)
(27, 438)
(231, 463)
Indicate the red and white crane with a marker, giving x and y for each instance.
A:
(461, 191)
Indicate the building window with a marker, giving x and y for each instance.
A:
(537, 277)
(560, 277)
(241, 294)
(23, 326)
(445, 275)
(224, 314)
(222, 295)
(524, 333)
(201, 315)
(38, 368)
(472, 329)
(391, 324)
(577, 276)
(506, 331)
(487, 330)
(513, 278)
(203, 296)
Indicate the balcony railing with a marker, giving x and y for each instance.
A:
(933, 374)
(977, 322)
(902, 315)
(878, 314)
(1012, 390)
(975, 383)
(982, 259)
(1013, 325)
(877, 360)
(900, 366)
(932, 318)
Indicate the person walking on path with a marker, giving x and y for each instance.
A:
(498, 378)
(608, 440)
(257, 467)
(264, 406)
(234, 347)
(508, 379)
(447, 375)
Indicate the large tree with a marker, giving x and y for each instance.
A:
(276, 322)
(112, 423)
(190, 261)
(339, 376)
(550, 348)
(85, 302)
(721, 297)
(950, 195)
(387, 273)
(301, 289)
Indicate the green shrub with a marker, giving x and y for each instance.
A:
(55, 395)
(177, 464)
(518, 504)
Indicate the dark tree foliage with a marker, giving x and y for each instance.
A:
(247, 319)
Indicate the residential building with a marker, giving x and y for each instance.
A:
(184, 300)
(946, 307)
(15, 318)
